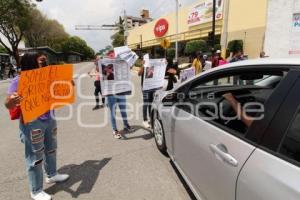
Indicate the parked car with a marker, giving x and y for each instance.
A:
(218, 155)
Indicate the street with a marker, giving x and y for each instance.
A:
(100, 167)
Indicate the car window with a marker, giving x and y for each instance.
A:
(248, 91)
(291, 144)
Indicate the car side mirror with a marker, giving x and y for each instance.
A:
(170, 99)
(173, 98)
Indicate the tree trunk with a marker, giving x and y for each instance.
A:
(16, 56)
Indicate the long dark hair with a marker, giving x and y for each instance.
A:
(29, 61)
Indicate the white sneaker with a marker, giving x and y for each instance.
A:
(40, 196)
(146, 124)
(57, 178)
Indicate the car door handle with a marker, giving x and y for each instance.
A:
(221, 151)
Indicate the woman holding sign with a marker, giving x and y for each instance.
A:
(38, 136)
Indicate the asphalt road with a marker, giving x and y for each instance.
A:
(100, 166)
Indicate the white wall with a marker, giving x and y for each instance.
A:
(281, 39)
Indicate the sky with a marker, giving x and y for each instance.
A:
(98, 12)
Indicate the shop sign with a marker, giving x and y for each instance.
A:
(203, 12)
(161, 28)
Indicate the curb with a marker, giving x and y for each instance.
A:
(5, 81)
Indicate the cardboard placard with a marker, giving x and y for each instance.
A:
(45, 89)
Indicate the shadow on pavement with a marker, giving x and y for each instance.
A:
(185, 185)
(146, 136)
(86, 174)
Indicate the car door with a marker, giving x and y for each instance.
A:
(273, 170)
(209, 155)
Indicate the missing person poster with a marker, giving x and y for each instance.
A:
(154, 73)
(126, 54)
(187, 74)
(115, 76)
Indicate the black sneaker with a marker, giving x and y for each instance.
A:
(128, 129)
(96, 107)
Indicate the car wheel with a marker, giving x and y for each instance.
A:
(159, 134)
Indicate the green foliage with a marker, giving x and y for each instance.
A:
(44, 32)
(3, 50)
(118, 40)
(15, 19)
(195, 45)
(217, 47)
(103, 51)
(235, 46)
(171, 53)
(76, 44)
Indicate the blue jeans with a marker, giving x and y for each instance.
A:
(148, 97)
(112, 102)
(39, 138)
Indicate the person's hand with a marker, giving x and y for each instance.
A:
(229, 97)
(172, 71)
(13, 101)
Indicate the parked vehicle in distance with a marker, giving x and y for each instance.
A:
(220, 153)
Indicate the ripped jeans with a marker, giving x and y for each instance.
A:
(39, 138)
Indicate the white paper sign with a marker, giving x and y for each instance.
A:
(126, 54)
(154, 74)
(115, 76)
(146, 59)
(187, 74)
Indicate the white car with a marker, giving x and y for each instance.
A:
(244, 148)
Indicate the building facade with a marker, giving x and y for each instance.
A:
(235, 20)
(283, 29)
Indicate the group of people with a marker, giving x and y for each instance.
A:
(3, 70)
(40, 135)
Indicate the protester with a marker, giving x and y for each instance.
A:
(97, 83)
(263, 55)
(237, 56)
(11, 72)
(112, 102)
(171, 72)
(2, 70)
(38, 136)
(148, 97)
(208, 63)
(197, 63)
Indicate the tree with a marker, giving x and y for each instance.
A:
(195, 45)
(118, 38)
(235, 45)
(76, 44)
(3, 50)
(44, 32)
(15, 19)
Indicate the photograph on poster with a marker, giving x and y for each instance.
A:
(108, 72)
(149, 72)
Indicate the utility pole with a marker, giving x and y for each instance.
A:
(176, 43)
(214, 25)
(125, 28)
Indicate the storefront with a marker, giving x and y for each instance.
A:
(234, 21)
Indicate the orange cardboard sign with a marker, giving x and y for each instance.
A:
(45, 89)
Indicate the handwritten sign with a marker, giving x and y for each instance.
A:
(45, 89)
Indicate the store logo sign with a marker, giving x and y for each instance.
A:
(161, 28)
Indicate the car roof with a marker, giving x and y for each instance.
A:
(266, 62)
